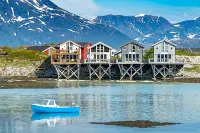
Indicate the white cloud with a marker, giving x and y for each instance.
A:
(83, 8)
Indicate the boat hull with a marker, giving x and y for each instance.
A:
(45, 109)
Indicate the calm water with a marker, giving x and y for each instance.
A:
(102, 102)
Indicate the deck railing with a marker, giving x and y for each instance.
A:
(169, 61)
(98, 61)
(65, 57)
(129, 61)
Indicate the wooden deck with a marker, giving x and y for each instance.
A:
(64, 57)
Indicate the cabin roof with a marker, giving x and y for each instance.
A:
(164, 40)
(118, 52)
(132, 42)
(39, 48)
(82, 44)
(66, 42)
(102, 44)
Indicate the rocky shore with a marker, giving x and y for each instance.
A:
(25, 82)
(138, 123)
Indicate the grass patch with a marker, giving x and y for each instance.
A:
(195, 68)
(185, 53)
(20, 57)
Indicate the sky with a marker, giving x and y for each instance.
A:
(173, 10)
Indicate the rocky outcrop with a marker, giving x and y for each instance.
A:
(12, 71)
(189, 59)
(191, 66)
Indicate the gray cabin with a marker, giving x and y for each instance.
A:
(164, 52)
(132, 52)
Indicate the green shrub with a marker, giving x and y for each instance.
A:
(185, 53)
(195, 68)
(148, 54)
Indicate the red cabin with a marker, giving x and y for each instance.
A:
(84, 50)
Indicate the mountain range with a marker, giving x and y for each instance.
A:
(37, 22)
(148, 29)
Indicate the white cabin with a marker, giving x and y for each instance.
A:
(100, 53)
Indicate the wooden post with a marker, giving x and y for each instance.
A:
(141, 66)
(110, 71)
(131, 75)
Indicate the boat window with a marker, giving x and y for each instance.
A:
(51, 102)
(45, 102)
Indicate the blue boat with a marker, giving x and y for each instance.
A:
(50, 106)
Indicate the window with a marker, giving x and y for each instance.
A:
(137, 57)
(126, 57)
(102, 56)
(171, 48)
(45, 102)
(170, 56)
(162, 57)
(133, 48)
(158, 59)
(51, 102)
(133, 57)
(124, 48)
(105, 56)
(130, 57)
(139, 48)
(166, 47)
(166, 58)
(106, 49)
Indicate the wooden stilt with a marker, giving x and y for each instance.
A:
(68, 71)
(100, 71)
(131, 70)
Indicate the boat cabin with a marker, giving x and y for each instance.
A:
(131, 52)
(99, 53)
(49, 102)
(66, 53)
(164, 52)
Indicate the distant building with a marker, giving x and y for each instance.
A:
(100, 53)
(44, 49)
(164, 52)
(131, 52)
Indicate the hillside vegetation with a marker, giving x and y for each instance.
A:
(19, 56)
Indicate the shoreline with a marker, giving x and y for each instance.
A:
(27, 82)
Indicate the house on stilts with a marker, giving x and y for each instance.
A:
(99, 61)
(66, 59)
(130, 62)
(164, 62)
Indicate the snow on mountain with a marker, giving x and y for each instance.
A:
(140, 15)
(148, 29)
(41, 21)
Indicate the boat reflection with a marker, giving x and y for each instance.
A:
(53, 119)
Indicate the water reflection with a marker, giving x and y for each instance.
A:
(53, 119)
(99, 102)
